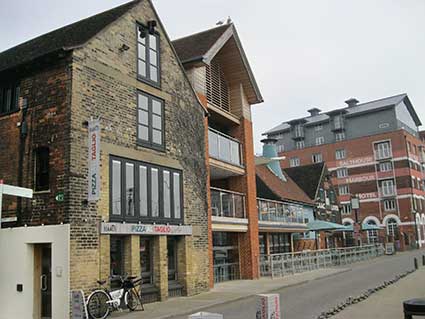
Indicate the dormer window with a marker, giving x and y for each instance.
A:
(148, 51)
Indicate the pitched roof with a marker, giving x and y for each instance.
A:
(195, 46)
(270, 186)
(65, 38)
(371, 106)
(307, 177)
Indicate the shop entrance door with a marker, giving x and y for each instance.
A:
(43, 281)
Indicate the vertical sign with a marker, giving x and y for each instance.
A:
(268, 306)
(94, 160)
(78, 305)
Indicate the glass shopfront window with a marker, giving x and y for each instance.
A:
(226, 256)
(172, 258)
(146, 260)
(279, 243)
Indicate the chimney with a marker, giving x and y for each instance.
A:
(269, 151)
(314, 111)
(352, 102)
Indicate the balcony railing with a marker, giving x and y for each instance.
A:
(224, 147)
(227, 204)
(275, 211)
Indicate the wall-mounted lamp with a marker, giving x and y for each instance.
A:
(124, 48)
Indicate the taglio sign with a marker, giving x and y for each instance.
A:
(268, 306)
(94, 160)
(144, 229)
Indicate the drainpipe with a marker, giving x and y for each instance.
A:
(23, 132)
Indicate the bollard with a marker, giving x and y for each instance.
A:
(423, 260)
(268, 306)
(415, 262)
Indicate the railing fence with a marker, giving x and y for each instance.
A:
(276, 265)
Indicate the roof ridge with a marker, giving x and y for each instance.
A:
(200, 32)
(130, 3)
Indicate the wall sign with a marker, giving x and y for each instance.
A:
(144, 229)
(79, 310)
(94, 160)
(360, 179)
(368, 195)
(356, 161)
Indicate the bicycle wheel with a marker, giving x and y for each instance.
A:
(97, 305)
(131, 299)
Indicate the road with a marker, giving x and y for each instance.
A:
(308, 300)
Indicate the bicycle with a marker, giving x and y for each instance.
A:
(101, 302)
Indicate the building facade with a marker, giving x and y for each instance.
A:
(373, 151)
(221, 76)
(101, 120)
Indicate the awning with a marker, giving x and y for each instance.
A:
(318, 225)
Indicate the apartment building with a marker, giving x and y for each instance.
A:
(219, 71)
(100, 119)
(373, 151)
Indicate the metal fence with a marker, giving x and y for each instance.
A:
(291, 263)
(225, 272)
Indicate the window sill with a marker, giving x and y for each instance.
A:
(9, 113)
(42, 192)
(151, 147)
(149, 82)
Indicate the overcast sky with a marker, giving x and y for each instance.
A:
(304, 54)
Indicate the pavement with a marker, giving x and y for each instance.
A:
(388, 303)
(225, 293)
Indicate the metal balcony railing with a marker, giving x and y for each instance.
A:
(274, 211)
(225, 203)
(224, 148)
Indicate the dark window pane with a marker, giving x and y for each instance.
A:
(116, 188)
(42, 169)
(166, 193)
(129, 189)
(176, 190)
(155, 192)
(143, 193)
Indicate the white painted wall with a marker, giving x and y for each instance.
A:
(17, 267)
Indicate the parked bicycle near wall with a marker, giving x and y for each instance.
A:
(103, 301)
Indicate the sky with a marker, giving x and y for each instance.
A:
(304, 53)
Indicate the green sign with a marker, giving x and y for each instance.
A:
(60, 197)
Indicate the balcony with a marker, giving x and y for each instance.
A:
(278, 215)
(225, 155)
(227, 204)
(338, 125)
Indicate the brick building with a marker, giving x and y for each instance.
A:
(220, 73)
(149, 217)
(373, 151)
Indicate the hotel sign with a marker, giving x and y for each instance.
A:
(94, 161)
(368, 195)
(356, 161)
(144, 229)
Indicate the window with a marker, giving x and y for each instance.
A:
(382, 150)
(294, 161)
(392, 228)
(280, 148)
(42, 169)
(318, 127)
(387, 188)
(389, 205)
(342, 172)
(299, 145)
(146, 260)
(150, 128)
(346, 209)
(145, 192)
(409, 147)
(338, 122)
(372, 235)
(172, 258)
(340, 136)
(340, 154)
(317, 158)
(385, 167)
(320, 140)
(9, 99)
(148, 64)
(343, 190)
(299, 131)
(413, 182)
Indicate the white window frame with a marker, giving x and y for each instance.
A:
(343, 189)
(387, 187)
(280, 148)
(392, 226)
(383, 150)
(299, 130)
(294, 161)
(299, 145)
(346, 209)
(318, 127)
(342, 172)
(390, 205)
(340, 154)
(340, 136)
(317, 158)
(386, 166)
(320, 140)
